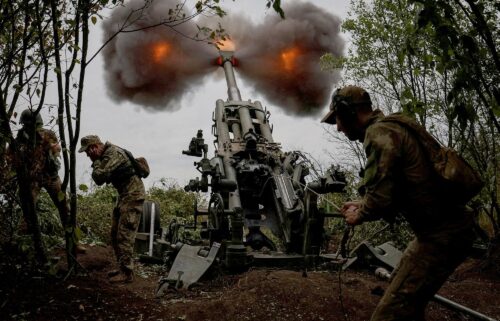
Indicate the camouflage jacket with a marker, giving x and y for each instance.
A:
(42, 161)
(114, 167)
(398, 178)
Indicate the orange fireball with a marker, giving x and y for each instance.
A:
(160, 51)
(226, 45)
(289, 57)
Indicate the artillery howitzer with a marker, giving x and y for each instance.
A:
(253, 185)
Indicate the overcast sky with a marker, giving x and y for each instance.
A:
(162, 135)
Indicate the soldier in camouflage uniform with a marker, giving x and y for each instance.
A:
(110, 164)
(398, 178)
(39, 149)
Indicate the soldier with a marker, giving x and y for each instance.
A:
(110, 164)
(39, 149)
(399, 178)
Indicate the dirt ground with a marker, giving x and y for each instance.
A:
(258, 294)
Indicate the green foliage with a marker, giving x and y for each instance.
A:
(331, 62)
(43, 41)
(396, 65)
(173, 200)
(437, 63)
(96, 207)
(465, 34)
(15, 236)
(48, 216)
(94, 213)
(177, 228)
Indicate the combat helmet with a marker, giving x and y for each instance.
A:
(28, 118)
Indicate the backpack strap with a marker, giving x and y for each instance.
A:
(132, 160)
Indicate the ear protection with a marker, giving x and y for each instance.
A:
(343, 105)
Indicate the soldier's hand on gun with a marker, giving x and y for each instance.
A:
(350, 210)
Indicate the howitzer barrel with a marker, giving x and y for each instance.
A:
(233, 92)
(234, 95)
(223, 137)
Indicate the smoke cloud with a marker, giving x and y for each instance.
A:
(152, 67)
(281, 57)
(155, 67)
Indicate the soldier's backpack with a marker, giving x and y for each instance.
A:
(457, 176)
(140, 164)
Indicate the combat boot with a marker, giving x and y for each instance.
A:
(123, 277)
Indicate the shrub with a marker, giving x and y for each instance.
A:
(94, 213)
(96, 207)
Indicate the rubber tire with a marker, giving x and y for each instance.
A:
(145, 222)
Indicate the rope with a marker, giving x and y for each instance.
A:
(348, 234)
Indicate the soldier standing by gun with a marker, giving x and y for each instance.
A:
(39, 149)
(400, 177)
(111, 164)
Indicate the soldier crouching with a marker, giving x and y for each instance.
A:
(400, 177)
(110, 164)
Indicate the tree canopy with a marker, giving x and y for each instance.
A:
(436, 61)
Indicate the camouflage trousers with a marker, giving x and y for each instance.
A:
(53, 187)
(126, 217)
(423, 269)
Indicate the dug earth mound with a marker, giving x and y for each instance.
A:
(258, 294)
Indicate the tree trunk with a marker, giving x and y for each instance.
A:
(69, 229)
